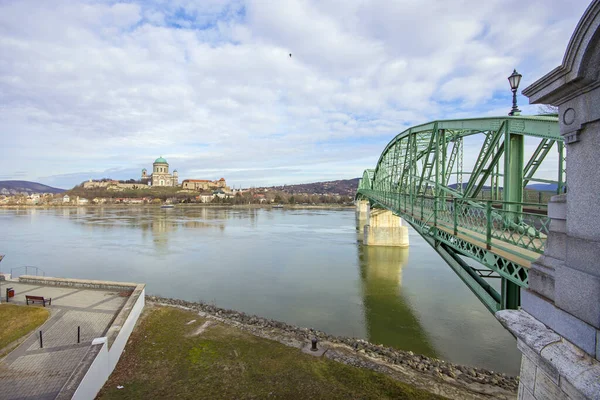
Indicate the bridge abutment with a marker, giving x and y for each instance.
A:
(384, 229)
(558, 328)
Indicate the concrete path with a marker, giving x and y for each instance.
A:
(31, 372)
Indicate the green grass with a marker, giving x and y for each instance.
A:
(163, 360)
(18, 321)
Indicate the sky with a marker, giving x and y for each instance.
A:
(93, 89)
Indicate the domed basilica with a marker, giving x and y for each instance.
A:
(160, 174)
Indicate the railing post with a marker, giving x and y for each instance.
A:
(488, 231)
(455, 211)
(435, 210)
(422, 201)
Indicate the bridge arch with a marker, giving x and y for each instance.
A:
(463, 185)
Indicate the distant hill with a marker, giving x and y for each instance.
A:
(344, 187)
(543, 187)
(15, 187)
(465, 184)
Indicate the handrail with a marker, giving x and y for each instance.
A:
(37, 270)
(489, 220)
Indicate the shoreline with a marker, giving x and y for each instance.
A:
(182, 205)
(404, 365)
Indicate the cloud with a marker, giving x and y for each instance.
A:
(89, 87)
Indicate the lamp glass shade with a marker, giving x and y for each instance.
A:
(514, 79)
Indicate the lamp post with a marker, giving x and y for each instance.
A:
(514, 79)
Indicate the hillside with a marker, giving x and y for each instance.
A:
(543, 187)
(14, 187)
(344, 187)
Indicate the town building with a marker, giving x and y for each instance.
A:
(160, 177)
(204, 184)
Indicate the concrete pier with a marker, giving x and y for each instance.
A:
(558, 328)
(384, 229)
(362, 211)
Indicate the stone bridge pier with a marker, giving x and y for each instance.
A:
(362, 210)
(558, 328)
(383, 228)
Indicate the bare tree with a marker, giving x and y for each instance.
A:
(547, 109)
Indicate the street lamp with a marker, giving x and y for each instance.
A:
(514, 79)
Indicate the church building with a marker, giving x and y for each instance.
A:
(160, 174)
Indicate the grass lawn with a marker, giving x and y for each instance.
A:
(18, 321)
(167, 358)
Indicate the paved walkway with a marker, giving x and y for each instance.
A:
(31, 372)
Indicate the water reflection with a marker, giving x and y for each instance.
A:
(161, 224)
(389, 317)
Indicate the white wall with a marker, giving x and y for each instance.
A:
(106, 360)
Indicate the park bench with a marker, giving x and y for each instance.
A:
(41, 299)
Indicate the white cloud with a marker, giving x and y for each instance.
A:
(87, 87)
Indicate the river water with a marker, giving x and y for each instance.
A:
(304, 267)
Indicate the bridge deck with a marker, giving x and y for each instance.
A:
(499, 247)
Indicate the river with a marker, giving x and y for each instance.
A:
(302, 266)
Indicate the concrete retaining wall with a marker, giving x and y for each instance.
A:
(121, 328)
(81, 283)
(107, 352)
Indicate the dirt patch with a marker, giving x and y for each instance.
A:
(202, 328)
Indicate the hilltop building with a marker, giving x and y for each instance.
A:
(160, 174)
(204, 184)
(160, 177)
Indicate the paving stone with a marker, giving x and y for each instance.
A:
(112, 305)
(47, 292)
(64, 332)
(33, 373)
(84, 298)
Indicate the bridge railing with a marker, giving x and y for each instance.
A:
(492, 223)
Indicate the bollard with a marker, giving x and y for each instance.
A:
(41, 341)
(314, 344)
(78, 334)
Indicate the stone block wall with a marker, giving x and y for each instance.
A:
(551, 366)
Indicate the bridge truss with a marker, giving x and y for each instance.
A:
(461, 185)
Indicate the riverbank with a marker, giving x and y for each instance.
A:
(176, 353)
(436, 376)
(182, 205)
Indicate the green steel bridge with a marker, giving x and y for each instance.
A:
(482, 211)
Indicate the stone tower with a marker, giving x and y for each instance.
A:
(175, 178)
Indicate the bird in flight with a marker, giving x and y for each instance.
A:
(290, 55)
